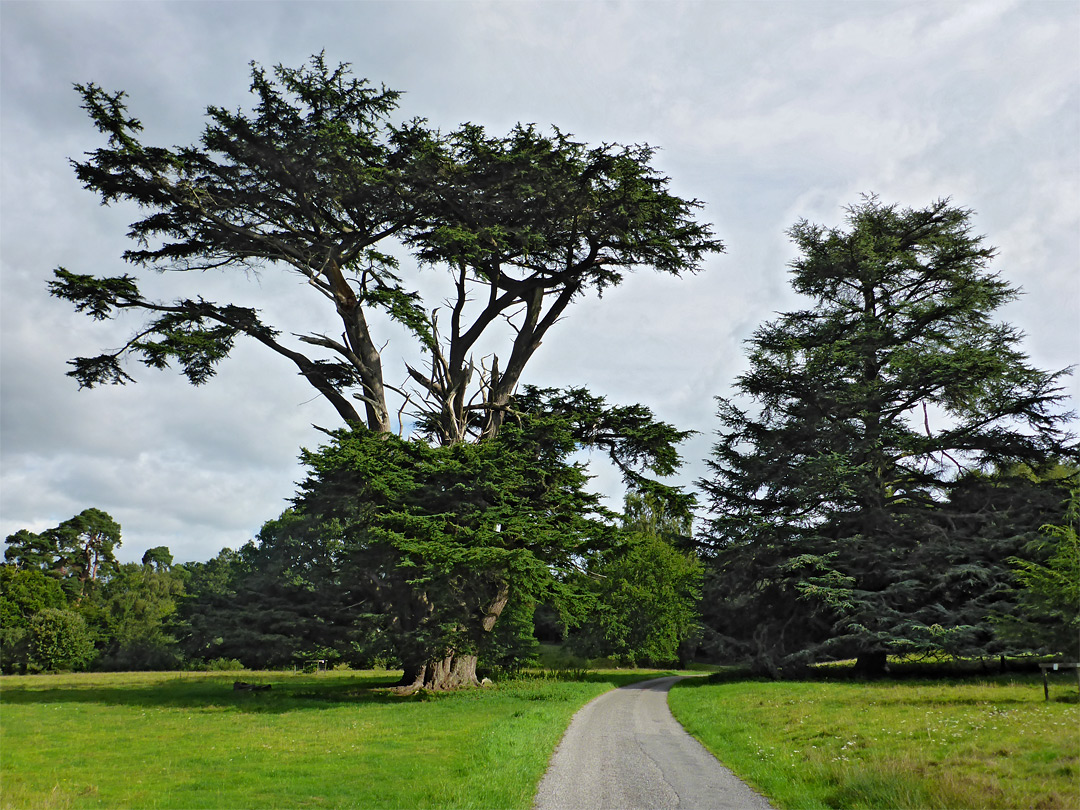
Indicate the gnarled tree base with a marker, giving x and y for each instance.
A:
(440, 674)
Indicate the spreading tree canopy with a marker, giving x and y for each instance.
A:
(867, 410)
(317, 181)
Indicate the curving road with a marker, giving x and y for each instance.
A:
(624, 751)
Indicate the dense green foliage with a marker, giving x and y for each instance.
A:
(138, 608)
(252, 606)
(440, 538)
(58, 639)
(24, 593)
(644, 589)
(850, 511)
(1049, 576)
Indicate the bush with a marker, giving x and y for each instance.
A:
(58, 639)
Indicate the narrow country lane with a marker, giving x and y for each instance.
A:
(624, 751)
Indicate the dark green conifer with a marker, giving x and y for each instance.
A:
(836, 492)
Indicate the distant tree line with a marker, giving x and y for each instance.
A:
(892, 476)
(66, 603)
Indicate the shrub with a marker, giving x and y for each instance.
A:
(59, 639)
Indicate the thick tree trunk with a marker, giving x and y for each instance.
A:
(452, 671)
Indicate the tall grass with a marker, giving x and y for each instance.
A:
(337, 739)
(851, 745)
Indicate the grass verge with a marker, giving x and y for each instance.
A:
(991, 744)
(336, 739)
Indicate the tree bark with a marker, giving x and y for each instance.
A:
(452, 671)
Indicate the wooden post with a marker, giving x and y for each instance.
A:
(1057, 667)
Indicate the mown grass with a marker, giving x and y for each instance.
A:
(902, 744)
(337, 739)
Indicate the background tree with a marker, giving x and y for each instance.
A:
(87, 544)
(208, 586)
(159, 558)
(963, 579)
(24, 592)
(646, 589)
(1049, 596)
(275, 602)
(832, 493)
(78, 552)
(138, 613)
(29, 551)
(58, 639)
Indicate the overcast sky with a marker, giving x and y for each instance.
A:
(768, 112)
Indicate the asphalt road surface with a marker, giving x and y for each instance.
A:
(624, 751)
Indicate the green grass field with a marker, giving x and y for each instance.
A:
(994, 743)
(341, 739)
(170, 740)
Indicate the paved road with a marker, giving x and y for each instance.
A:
(624, 751)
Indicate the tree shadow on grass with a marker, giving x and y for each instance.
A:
(287, 692)
(217, 693)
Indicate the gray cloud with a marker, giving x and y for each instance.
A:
(767, 111)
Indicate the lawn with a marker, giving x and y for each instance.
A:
(342, 739)
(335, 739)
(995, 743)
